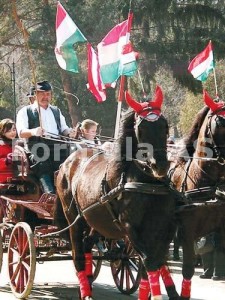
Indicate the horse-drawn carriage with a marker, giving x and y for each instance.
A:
(126, 199)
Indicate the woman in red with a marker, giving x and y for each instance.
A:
(7, 134)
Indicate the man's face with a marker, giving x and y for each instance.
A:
(44, 98)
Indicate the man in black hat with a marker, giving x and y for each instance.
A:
(31, 95)
(40, 124)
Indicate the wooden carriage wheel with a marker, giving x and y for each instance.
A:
(126, 271)
(1, 251)
(96, 263)
(21, 260)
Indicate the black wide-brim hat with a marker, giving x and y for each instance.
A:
(43, 86)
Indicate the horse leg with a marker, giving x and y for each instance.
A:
(89, 242)
(81, 264)
(187, 268)
(169, 283)
(144, 286)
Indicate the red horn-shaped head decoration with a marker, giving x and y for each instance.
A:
(214, 106)
(142, 108)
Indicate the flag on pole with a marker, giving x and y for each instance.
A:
(202, 64)
(95, 84)
(114, 58)
(67, 34)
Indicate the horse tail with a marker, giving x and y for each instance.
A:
(59, 219)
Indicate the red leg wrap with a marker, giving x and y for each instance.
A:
(166, 276)
(144, 290)
(85, 288)
(88, 264)
(153, 278)
(186, 288)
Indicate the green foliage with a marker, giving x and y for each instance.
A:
(189, 109)
(210, 84)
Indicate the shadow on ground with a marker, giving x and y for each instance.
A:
(60, 291)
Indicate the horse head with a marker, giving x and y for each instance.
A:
(151, 130)
(216, 126)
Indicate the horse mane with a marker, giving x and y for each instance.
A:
(126, 129)
(188, 141)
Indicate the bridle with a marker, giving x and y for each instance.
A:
(219, 157)
(151, 116)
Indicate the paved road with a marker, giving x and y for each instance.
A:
(57, 280)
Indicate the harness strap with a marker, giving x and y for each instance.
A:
(146, 188)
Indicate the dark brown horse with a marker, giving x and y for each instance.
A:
(122, 194)
(199, 173)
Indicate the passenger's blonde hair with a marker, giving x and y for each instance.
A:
(87, 124)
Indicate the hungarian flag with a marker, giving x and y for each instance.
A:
(202, 64)
(95, 84)
(67, 34)
(114, 58)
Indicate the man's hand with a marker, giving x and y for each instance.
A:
(72, 133)
(38, 131)
(8, 160)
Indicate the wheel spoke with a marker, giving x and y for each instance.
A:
(129, 273)
(20, 282)
(25, 247)
(16, 271)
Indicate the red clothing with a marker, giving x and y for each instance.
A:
(5, 170)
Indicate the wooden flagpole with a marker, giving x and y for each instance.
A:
(25, 36)
(122, 80)
(215, 81)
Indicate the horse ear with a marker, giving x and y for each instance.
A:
(209, 101)
(158, 98)
(132, 103)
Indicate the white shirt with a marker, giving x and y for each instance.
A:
(47, 118)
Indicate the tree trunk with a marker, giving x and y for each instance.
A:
(74, 109)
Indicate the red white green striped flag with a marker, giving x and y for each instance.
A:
(202, 64)
(95, 84)
(114, 59)
(67, 34)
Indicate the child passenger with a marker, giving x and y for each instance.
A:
(88, 130)
(7, 134)
(86, 133)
